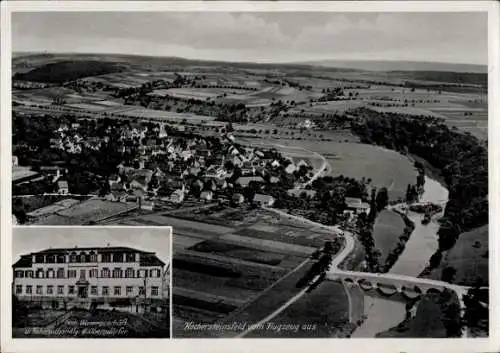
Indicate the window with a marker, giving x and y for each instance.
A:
(19, 274)
(61, 259)
(39, 273)
(106, 257)
(60, 290)
(130, 257)
(117, 272)
(93, 290)
(105, 290)
(129, 290)
(158, 273)
(50, 273)
(39, 259)
(28, 274)
(71, 273)
(60, 272)
(154, 273)
(93, 273)
(83, 258)
(72, 257)
(138, 273)
(71, 289)
(142, 291)
(50, 289)
(19, 289)
(93, 257)
(105, 272)
(117, 290)
(51, 259)
(154, 291)
(129, 273)
(118, 257)
(38, 289)
(29, 289)
(82, 273)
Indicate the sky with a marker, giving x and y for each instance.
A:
(260, 36)
(26, 240)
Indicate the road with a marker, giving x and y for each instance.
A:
(347, 248)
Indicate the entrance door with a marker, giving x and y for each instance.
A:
(82, 292)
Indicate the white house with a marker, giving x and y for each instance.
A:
(263, 200)
(356, 205)
(62, 187)
(207, 195)
(290, 168)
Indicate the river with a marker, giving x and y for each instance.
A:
(383, 314)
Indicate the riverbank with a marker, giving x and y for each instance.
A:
(382, 314)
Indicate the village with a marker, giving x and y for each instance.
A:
(161, 168)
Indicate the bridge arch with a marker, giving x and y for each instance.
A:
(365, 284)
(411, 293)
(387, 290)
(433, 291)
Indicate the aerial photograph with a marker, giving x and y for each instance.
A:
(100, 282)
(325, 173)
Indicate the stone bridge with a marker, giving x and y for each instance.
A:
(389, 284)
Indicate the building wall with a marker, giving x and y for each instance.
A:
(95, 284)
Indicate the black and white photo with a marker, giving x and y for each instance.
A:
(106, 282)
(326, 171)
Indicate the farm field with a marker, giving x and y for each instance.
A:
(467, 257)
(219, 269)
(319, 314)
(151, 113)
(332, 107)
(386, 231)
(87, 212)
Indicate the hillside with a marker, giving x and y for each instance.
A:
(387, 65)
(64, 71)
(469, 257)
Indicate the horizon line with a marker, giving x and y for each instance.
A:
(303, 62)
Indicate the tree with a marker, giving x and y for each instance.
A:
(382, 199)
(448, 274)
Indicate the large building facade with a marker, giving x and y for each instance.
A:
(100, 274)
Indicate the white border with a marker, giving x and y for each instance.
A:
(251, 345)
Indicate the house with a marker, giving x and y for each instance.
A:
(62, 187)
(356, 205)
(177, 196)
(207, 195)
(290, 168)
(114, 179)
(147, 205)
(244, 181)
(263, 200)
(238, 198)
(139, 183)
(88, 274)
(194, 171)
(302, 163)
(117, 194)
(221, 183)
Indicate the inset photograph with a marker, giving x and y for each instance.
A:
(99, 282)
